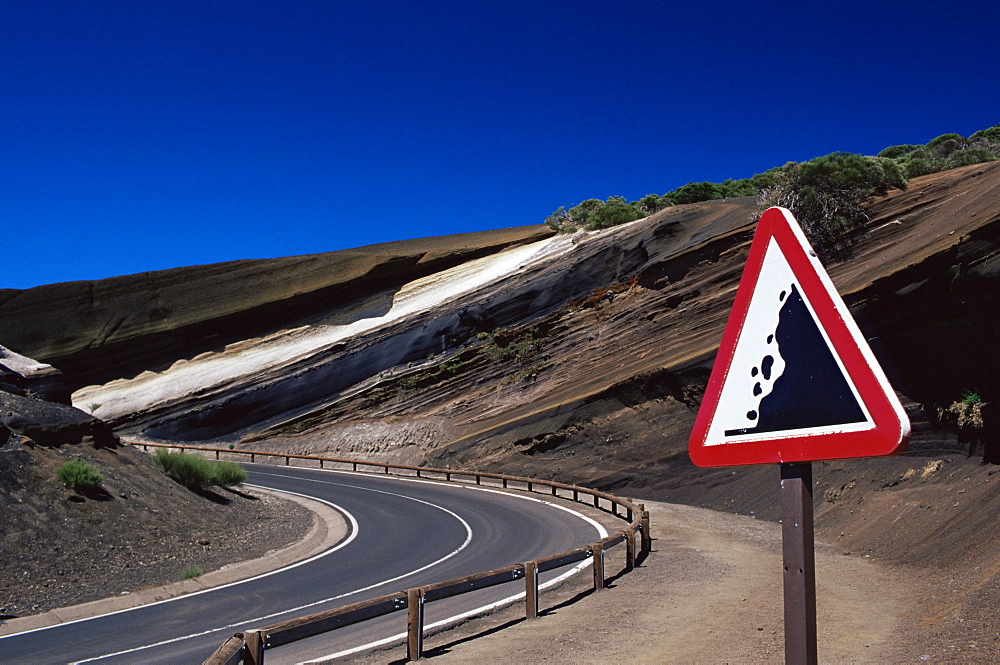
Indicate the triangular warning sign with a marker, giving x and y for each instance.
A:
(794, 380)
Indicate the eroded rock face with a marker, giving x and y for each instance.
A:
(527, 285)
(96, 331)
(923, 280)
(35, 404)
(52, 424)
(22, 375)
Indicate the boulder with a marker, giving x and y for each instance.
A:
(51, 423)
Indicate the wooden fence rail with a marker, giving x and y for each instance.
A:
(249, 647)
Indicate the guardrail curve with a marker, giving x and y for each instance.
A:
(249, 646)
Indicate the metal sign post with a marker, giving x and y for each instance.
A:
(800, 563)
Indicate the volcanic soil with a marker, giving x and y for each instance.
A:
(140, 529)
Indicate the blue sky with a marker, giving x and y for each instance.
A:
(138, 136)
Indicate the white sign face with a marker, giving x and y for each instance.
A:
(761, 382)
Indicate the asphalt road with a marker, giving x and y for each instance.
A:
(402, 534)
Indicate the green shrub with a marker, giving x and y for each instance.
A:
(188, 470)
(228, 474)
(190, 573)
(897, 151)
(827, 196)
(945, 144)
(651, 203)
(947, 151)
(968, 411)
(195, 472)
(988, 134)
(919, 161)
(594, 214)
(78, 475)
(970, 155)
(875, 175)
(971, 397)
(695, 192)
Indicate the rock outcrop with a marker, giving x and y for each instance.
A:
(35, 405)
(22, 375)
(315, 349)
(97, 331)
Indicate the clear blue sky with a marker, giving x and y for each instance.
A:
(137, 136)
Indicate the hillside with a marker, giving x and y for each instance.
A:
(580, 357)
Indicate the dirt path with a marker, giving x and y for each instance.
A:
(710, 592)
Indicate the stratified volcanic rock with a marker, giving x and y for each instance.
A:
(242, 348)
(34, 404)
(96, 331)
(265, 380)
(22, 375)
(50, 423)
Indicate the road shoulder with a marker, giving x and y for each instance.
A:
(709, 592)
(328, 529)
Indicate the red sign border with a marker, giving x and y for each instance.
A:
(892, 428)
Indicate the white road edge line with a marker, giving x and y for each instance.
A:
(354, 532)
(602, 532)
(468, 539)
(342, 544)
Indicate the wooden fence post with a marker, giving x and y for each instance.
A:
(647, 539)
(414, 624)
(255, 647)
(629, 550)
(531, 589)
(598, 566)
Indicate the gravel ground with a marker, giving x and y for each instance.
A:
(61, 548)
(710, 592)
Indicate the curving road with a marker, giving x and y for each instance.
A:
(403, 533)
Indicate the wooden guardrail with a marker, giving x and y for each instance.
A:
(249, 647)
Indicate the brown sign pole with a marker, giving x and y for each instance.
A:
(800, 563)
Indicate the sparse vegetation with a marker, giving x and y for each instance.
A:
(525, 374)
(514, 344)
(196, 472)
(190, 573)
(227, 474)
(603, 295)
(827, 194)
(968, 411)
(430, 375)
(79, 475)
